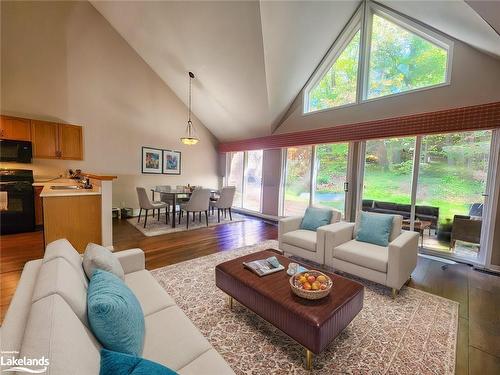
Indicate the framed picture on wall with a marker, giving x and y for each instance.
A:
(171, 162)
(152, 160)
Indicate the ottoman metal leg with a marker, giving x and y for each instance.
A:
(309, 359)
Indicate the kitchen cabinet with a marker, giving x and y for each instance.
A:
(70, 142)
(56, 141)
(14, 128)
(44, 139)
(76, 218)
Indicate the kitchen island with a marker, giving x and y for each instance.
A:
(78, 214)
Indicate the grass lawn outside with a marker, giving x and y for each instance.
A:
(451, 189)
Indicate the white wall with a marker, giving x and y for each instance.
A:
(62, 61)
(475, 80)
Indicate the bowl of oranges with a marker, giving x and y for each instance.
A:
(311, 284)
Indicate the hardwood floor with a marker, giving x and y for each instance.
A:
(181, 246)
(478, 346)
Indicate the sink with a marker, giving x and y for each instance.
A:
(65, 187)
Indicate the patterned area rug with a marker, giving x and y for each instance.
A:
(415, 333)
(155, 227)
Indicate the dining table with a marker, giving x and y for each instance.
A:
(175, 196)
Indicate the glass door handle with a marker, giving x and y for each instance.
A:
(346, 187)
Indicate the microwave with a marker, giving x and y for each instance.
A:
(15, 151)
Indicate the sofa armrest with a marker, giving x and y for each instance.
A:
(288, 224)
(321, 233)
(335, 235)
(402, 258)
(132, 260)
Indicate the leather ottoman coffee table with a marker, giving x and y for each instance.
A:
(313, 324)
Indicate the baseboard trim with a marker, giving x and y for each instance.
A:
(271, 218)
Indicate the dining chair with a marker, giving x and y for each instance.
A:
(199, 202)
(146, 204)
(224, 202)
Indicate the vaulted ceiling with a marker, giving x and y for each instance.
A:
(252, 58)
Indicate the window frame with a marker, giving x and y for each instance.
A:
(362, 20)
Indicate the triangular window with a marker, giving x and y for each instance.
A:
(401, 60)
(386, 54)
(338, 85)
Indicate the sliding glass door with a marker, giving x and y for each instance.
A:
(388, 175)
(441, 179)
(252, 191)
(244, 171)
(234, 175)
(330, 183)
(297, 182)
(451, 186)
(315, 175)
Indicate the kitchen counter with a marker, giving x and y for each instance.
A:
(80, 215)
(57, 181)
(49, 192)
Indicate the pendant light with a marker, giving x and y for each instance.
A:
(190, 138)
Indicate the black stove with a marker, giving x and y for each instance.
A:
(17, 205)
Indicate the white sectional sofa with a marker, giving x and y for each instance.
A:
(48, 317)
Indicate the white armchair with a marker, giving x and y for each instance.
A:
(390, 266)
(304, 243)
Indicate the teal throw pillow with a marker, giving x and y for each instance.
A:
(315, 218)
(374, 228)
(114, 363)
(115, 315)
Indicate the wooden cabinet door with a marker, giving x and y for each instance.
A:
(14, 128)
(44, 136)
(70, 142)
(77, 218)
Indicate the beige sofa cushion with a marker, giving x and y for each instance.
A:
(150, 294)
(63, 249)
(363, 254)
(209, 363)
(59, 277)
(14, 324)
(171, 339)
(54, 331)
(305, 239)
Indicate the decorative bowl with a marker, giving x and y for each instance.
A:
(299, 290)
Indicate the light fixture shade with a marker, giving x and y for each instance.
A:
(190, 138)
(189, 141)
